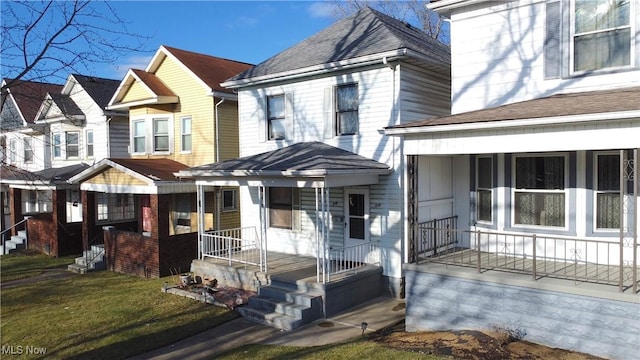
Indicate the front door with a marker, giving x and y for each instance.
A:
(356, 229)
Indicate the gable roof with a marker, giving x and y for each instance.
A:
(367, 33)
(99, 89)
(301, 159)
(148, 170)
(28, 96)
(152, 82)
(545, 109)
(49, 176)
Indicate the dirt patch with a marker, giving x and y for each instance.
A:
(467, 344)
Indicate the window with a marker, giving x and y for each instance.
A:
(185, 134)
(181, 214)
(89, 143)
(36, 201)
(276, 117)
(72, 144)
(115, 207)
(12, 151)
(284, 204)
(484, 178)
(607, 191)
(160, 135)
(601, 34)
(347, 109)
(74, 206)
(229, 200)
(139, 137)
(56, 144)
(539, 194)
(28, 149)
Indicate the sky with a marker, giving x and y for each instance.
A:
(247, 31)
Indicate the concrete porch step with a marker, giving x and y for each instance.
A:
(306, 313)
(273, 319)
(90, 260)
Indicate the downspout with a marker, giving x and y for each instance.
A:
(217, 159)
(108, 140)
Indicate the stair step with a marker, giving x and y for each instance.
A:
(22, 234)
(78, 269)
(296, 297)
(280, 321)
(280, 307)
(17, 239)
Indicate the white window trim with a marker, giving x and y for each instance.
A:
(149, 138)
(235, 201)
(26, 140)
(565, 191)
(66, 145)
(572, 32)
(53, 146)
(87, 143)
(595, 191)
(182, 134)
(169, 135)
(133, 136)
(13, 148)
(336, 124)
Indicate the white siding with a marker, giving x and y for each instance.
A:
(119, 138)
(497, 57)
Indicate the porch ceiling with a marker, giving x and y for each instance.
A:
(312, 164)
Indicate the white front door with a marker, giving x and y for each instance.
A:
(356, 209)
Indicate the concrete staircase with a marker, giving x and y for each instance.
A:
(283, 305)
(16, 242)
(92, 259)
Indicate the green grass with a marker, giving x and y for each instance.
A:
(25, 264)
(100, 315)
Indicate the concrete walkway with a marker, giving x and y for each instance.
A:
(377, 313)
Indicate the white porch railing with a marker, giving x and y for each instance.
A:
(239, 245)
(347, 258)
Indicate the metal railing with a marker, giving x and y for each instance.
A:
(89, 254)
(435, 237)
(584, 260)
(348, 258)
(239, 245)
(5, 231)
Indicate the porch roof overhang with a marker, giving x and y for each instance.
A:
(143, 176)
(311, 164)
(607, 119)
(50, 178)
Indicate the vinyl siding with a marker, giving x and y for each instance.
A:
(137, 91)
(113, 176)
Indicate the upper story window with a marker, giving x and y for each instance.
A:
(540, 191)
(160, 135)
(276, 117)
(56, 145)
(347, 109)
(28, 149)
(12, 151)
(139, 136)
(72, 144)
(484, 188)
(601, 34)
(89, 143)
(185, 134)
(607, 191)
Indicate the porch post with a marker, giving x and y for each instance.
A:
(318, 268)
(635, 194)
(263, 227)
(201, 209)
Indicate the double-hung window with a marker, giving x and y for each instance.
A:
(185, 134)
(601, 35)
(89, 143)
(284, 206)
(229, 200)
(540, 191)
(72, 144)
(484, 185)
(347, 109)
(36, 201)
(276, 117)
(139, 137)
(56, 145)
(28, 150)
(12, 151)
(607, 191)
(160, 135)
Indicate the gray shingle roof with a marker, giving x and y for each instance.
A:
(101, 90)
(51, 176)
(66, 105)
(367, 32)
(300, 157)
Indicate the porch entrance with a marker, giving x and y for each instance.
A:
(356, 209)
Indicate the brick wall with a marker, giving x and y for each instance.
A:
(42, 234)
(15, 202)
(131, 253)
(177, 252)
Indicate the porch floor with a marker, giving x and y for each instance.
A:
(606, 277)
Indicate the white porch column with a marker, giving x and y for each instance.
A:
(322, 233)
(263, 226)
(201, 208)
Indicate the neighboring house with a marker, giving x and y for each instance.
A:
(179, 116)
(534, 173)
(19, 105)
(318, 180)
(73, 130)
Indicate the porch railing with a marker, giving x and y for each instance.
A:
(435, 237)
(239, 245)
(347, 258)
(4, 232)
(593, 261)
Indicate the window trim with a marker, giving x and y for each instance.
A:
(13, 148)
(572, 36)
(57, 146)
(112, 198)
(234, 206)
(595, 192)
(294, 210)
(489, 189)
(282, 118)
(142, 136)
(183, 134)
(564, 191)
(89, 154)
(154, 135)
(27, 159)
(66, 144)
(337, 111)
(43, 201)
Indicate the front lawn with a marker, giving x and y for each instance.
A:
(100, 315)
(24, 264)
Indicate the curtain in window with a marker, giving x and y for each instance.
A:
(608, 210)
(525, 209)
(553, 210)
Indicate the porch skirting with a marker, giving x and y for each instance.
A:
(578, 319)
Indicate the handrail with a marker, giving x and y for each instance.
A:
(346, 258)
(89, 255)
(10, 228)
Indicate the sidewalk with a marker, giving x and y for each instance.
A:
(377, 313)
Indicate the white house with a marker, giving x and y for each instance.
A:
(530, 186)
(318, 177)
